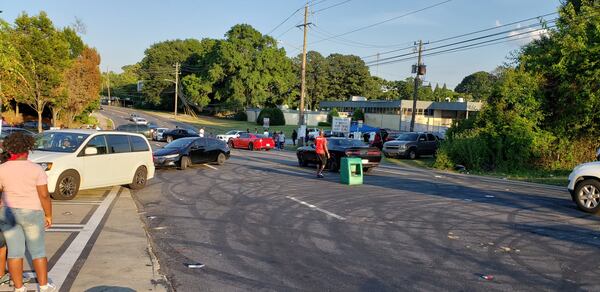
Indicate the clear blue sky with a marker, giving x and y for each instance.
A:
(121, 30)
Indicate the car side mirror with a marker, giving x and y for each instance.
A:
(91, 151)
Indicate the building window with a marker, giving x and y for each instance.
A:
(420, 111)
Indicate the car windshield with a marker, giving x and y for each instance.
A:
(232, 132)
(59, 141)
(180, 143)
(407, 137)
(347, 142)
(260, 136)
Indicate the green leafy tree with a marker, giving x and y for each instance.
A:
(478, 85)
(45, 54)
(316, 78)
(332, 114)
(348, 76)
(196, 90)
(358, 115)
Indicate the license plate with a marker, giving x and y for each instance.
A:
(365, 161)
(268, 145)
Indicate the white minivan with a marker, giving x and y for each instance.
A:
(84, 159)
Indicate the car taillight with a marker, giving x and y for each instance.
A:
(353, 152)
(260, 141)
(374, 153)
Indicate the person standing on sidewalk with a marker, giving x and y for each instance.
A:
(294, 137)
(25, 210)
(322, 153)
(281, 140)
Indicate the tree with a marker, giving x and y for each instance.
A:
(44, 52)
(316, 78)
(196, 90)
(358, 115)
(81, 84)
(10, 66)
(479, 85)
(348, 76)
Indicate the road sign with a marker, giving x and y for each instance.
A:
(340, 125)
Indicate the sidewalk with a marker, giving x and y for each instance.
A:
(104, 122)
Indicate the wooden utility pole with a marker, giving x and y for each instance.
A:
(416, 90)
(176, 87)
(303, 74)
(108, 84)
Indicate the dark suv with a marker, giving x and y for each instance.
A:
(134, 128)
(411, 145)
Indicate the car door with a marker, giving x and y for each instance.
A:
(197, 151)
(95, 166)
(119, 150)
(422, 144)
(243, 141)
(431, 144)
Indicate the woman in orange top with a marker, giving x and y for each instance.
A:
(322, 153)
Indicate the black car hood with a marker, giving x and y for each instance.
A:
(166, 151)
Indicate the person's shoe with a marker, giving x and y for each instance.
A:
(320, 175)
(5, 279)
(22, 289)
(48, 288)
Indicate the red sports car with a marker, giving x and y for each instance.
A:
(252, 142)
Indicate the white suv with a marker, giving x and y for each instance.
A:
(584, 186)
(84, 159)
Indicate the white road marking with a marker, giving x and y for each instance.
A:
(64, 230)
(68, 225)
(392, 172)
(210, 166)
(316, 208)
(77, 203)
(63, 266)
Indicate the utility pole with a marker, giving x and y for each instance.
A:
(303, 74)
(108, 85)
(176, 87)
(416, 90)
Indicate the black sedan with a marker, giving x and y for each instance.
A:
(341, 147)
(178, 133)
(187, 151)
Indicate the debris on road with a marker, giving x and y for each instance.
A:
(505, 249)
(151, 217)
(67, 213)
(438, 176)
(195, 266)
(489, 196)
(160, 228)
(453, 237)
(487, 277)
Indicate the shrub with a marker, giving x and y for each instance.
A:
(358, 115)
(442, 159)
(333, 113)
(275, 115)
(240, 116)
(324, 124)
(12, 118)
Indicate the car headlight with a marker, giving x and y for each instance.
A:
(402, 146)
(46, 166)
(171, 156)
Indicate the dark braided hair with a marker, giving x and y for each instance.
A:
(18, 142)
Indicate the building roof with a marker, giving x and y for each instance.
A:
(405, 103)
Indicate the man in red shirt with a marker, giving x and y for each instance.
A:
(322, 153)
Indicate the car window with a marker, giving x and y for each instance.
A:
(98, 142)
(430, 137)
(407, 137)
(200, 142)
(59, 141)
(138, 144)
(190, 132)
(179, 143)
(422, 137)
(244, 135)
(118, 143)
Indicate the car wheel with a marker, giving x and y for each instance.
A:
(301, 161)
(367, 169)
(230, 143)
(221, 159)
(334, 166)
(67, 185)
(184, 162)
(587, 195)
(251, 147)
(267, 149)
(412, 154)
(169, 139)
(140, 178)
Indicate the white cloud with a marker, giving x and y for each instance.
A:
(525, 36)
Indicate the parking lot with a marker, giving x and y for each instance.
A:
(260, 222)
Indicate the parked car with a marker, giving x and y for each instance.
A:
(175, 134)
(411, 145)
(134, 128)
(338, 148)
(83, 159)
(229, 135)
(33, 126)
(9, 130)
(158, 134)
(140, 121)
(133, 116)
(313, 132)
(252, 142)
(187, 151)
(584, 186)
(328, 134)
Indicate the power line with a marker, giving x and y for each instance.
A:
(469, 40)
(385, 21)
(332, 6)
(285, 20)
(467, 34)
(463, 48)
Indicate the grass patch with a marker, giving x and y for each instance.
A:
(422, 162)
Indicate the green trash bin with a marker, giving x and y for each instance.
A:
(351, 171)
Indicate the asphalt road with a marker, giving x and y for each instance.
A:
(260, 222)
